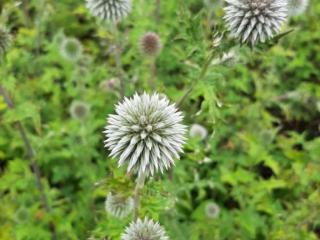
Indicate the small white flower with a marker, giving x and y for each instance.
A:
(212, 210)
(118, 205)
(109, 10)
(199, 131)
(146, 133)
(297, 7)
(253, 21)
(144, 230)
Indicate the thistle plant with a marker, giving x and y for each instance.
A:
(254, 21)
(146, 133)
(150, 46)
(297, 7)
(109, 10)
(71, 49)
(118, 206)
(22, 214)
(144, 230)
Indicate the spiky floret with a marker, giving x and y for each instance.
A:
(5, 41)
(146, 133)
(109, 10)
(253, 21)
(150, 44)
(118, 205)
(144, 230)
(297, 7)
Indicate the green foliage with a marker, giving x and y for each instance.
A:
(260, 162)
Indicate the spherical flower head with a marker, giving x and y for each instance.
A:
(150, 44)
(79, 110)
(253, 21)
(212, 210)
(109, 10)
(198, 131)
(71, 49)
(5, 41)
(118, 206)
(146, 133)
(144, 230)
(297, 7)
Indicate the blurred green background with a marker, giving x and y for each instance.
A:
(260, 162)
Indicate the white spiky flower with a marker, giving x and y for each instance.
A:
(212, 210)
(144, 230)
(118, 206)
(253, 21)
(146, 133)
(199, 131)
(109, 10)
(297, 7)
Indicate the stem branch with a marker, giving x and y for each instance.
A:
(137, 192)
(197, 80)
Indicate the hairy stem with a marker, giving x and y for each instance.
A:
(202, 75)
(153, 74)
(31, 156)
(137, 192)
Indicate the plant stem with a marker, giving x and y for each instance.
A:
(153, 74)
(157, 11)
(197, 80)
(137, 192)
(31, 156)
(117, 55)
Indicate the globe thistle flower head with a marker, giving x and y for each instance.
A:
(212, 210)
(146, 133)
(144, 230)
(5, 41)
(198, 131)
(253, 21)
(79, 110)
(150, 44)
(71, 49)
(297, 7)
(109, 10)
(118, 205)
